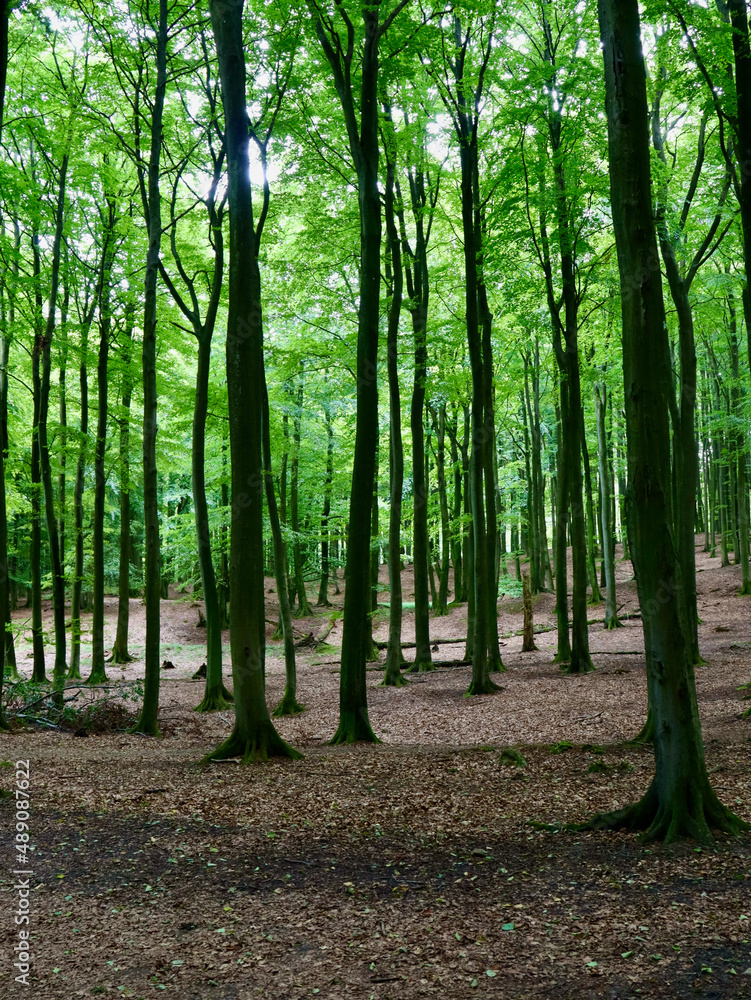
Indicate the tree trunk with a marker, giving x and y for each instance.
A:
(394, 657)
(289, 704)
(148, 719)
(680, 801)
(120, 652)
(323, 591)
(98, 674)
(303, 606)
(608, 555)
(253, 736)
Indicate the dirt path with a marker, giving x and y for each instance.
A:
(396, 871)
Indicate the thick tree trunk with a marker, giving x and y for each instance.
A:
(680, 801)
(253, 736)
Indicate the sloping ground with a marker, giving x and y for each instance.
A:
(394, 871)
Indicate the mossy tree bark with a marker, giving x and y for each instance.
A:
(253, 736)
(680, 801)
(150, 195)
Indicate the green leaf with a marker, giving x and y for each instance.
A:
(507, 927)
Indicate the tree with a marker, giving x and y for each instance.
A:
(253, 736)
(680, 801)
(362, 137)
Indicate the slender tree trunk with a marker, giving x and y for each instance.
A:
(98, 674)
(739, 449)
(120, 652)
(148, 720)
(393, 673)
(289, 704)
(611, 609)
(563, 654)
(303, 606)
(323, 591)
(216, 696)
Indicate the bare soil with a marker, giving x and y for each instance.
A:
(402, 870)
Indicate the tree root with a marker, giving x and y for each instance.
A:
(495, 662)
(98, 675)
(264, 743)
(216, 700)
(485, 686)
(394, 679)
(120, 657)
(690, 817)
(354, 727)
(420, 667)
(613, 623)
(579, 665)
(289, 705)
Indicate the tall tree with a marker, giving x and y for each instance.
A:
(362, 136)
(680, 801)
(253, 736)
(150, 196)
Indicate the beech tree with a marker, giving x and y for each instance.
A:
(680, 801)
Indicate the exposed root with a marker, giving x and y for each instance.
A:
(690, 816)
(495, 662)
(98, 675)
(121, 656)
(646, 734)
(216, 700)
(394, 678)
(420, 667)
(354, 727)
(288, 706)
(612, 623)
(485, 686)
(264, 743)
(581, 664)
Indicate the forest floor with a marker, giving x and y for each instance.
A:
(401, 870)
